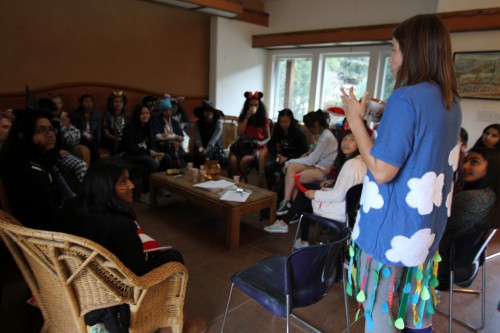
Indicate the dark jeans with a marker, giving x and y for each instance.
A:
(300, 204)
(271, 169)
(148, 165)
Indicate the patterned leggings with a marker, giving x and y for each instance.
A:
(374, 285)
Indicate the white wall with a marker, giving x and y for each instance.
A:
(238, 67)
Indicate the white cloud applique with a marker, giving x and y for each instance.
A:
(370, 198)
(425, 192)
(356, 230)
(453, 157)
(411, 251)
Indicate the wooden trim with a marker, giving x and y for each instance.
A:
(254, 17)
(111, 86)
(460, 21)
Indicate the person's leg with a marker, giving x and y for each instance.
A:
(245, 164)
(148, 164)
(291, 170)
(163, 257)
(269, 170)
(233, 168)
(376, 293)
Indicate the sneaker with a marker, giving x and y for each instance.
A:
(300, 244)
(145, 198)
(276, 227)
(283, 208)
(295, 219)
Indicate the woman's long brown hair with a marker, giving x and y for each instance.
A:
(425, 44)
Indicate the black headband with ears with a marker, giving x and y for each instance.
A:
(256, 95)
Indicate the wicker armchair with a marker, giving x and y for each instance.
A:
(70, 276)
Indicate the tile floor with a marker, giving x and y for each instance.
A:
(199, 235)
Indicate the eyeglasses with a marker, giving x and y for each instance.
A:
(45, 130)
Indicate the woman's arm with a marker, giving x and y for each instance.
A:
(325, 145)
(219, 126)
(382, 172)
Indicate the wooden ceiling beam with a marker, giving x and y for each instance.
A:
(460, 21)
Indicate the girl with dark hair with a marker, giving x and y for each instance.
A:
(36, 182)
(490, 137)
(103, 214)
(139, 147)
(88, 121)
(287, 142)
(114, 120)
(169, 134)
(328, 202)
(408, 188)
(254, 125)
(314, 166)
(208, 135)
(472, 209)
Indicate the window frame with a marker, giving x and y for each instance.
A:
(374, 85)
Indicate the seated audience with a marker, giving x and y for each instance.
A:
(471, 209)
(316, 165)
(139, 147)
(253, 127)
(114, 120)
(169, 135)
(208, 135)
(327, 202)
(5, 125)
(70, 135)
(88, 121)
(73, 164)
(103, 214)
(151, 102)
(287, 142)
(490, 137)
(36, 183)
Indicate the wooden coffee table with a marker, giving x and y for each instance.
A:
(182, 185)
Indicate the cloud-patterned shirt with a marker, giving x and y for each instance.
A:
(401, 222)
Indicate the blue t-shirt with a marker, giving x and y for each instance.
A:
(401, 222)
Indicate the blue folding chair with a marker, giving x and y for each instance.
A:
(281, 283)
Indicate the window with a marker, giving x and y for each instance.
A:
(293, 84)
(388, 79)
(305, 81)
(343, 71)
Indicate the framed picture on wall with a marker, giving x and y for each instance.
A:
(478, 74)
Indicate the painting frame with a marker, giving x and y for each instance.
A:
(476, 75)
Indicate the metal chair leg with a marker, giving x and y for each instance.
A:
(452, 318)
(227, 308)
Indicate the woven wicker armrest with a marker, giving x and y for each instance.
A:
(160, 274)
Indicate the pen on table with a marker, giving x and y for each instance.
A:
(177, 176)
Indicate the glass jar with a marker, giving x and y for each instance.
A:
(212, 169)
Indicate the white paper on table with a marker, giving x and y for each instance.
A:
(235, 196)
(214, 184)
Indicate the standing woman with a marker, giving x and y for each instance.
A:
(407, 192)
(253, 123)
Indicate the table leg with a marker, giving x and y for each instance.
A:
(272, 213)
(233, 228)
